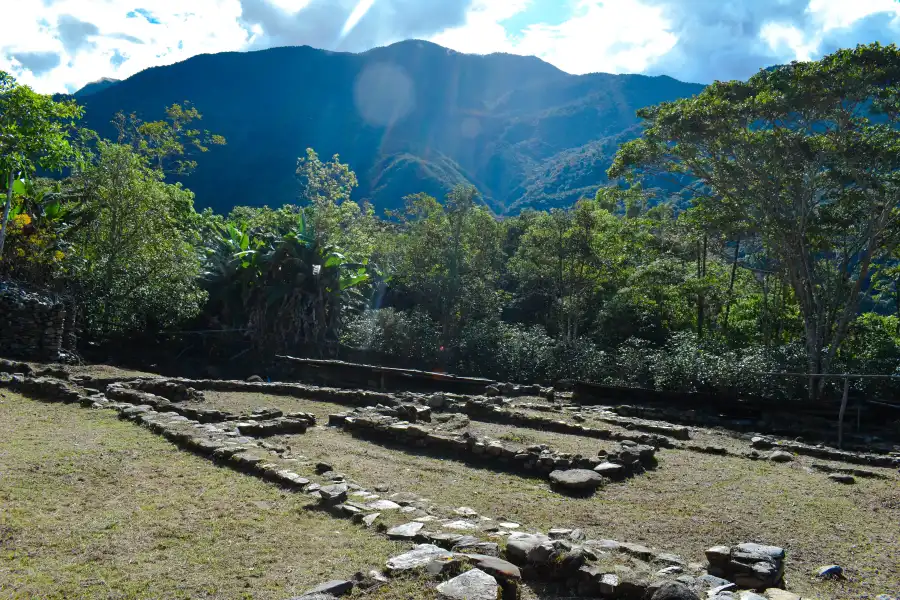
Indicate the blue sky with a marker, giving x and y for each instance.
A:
(60, 45)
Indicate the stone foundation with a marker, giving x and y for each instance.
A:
(34, 325)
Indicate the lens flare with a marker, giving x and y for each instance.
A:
(356, 16)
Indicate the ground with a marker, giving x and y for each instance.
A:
(94, 507)
(93, 504)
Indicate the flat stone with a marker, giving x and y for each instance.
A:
(609, 584)
(506, 525)
(334, 494)
(781, 456)
(474, 584)
(610, 470)
(576, 479)
(476, 545)
(417, 558)
(461, 525)
(465, 511)
(334, 588)
(407, 531)
(636, 550)
(747, 595)
(773, 552)
(558, 533)
(718, 555)
(668, 558)
(673, 570)
(383, 505)
(605, 545)
(370, 519)
(499, 568)
(444, 566)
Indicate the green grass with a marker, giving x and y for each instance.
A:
(94, 507)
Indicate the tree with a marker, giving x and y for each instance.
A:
(34, 132)
(169, 143)
(134, 264)
(804, 156)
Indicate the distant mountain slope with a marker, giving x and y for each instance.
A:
(409, 117)
(96, 86)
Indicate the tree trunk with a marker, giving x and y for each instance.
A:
(734, 262)
(6, 209)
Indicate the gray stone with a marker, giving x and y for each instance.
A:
(830, 572)
(519, 544)
(776, 594)
(773, 552)
(334, 494)
(781, 456)
(718, 555)
(477, 546)
(383, 505)
(760, 443)
(444, 566)
(474, 584)
(636, 550)
(610, 470)
(746, 595)
(461, 525)
(417, 558)
(675, 591)
(334, 588)
(499, 568)
(577, 479)
(370, 519)
(609, 584)
(407, 531)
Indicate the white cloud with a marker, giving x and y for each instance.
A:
(617, 37)
(832, 14)
(184, 29)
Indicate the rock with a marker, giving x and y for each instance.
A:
(334, 494)
(334, 588)
(776, 594)
(436, 400)
(636, 550)
(491, 391)
(667, 558)
(745, 595)
(471, 585)
(444, 566)
(255, 379)
(781, 456)
(499, 568)
(576, 479)
(370, 519)
(558, 533)
(674, 591)
(476, 545)
(509, 525)
(417, 558)
(323, 468)
(760, 443)
(830, 572)
(609, 584)
(383, 505)
(708, 582)
(518, 545)
(610, 470)
(461, 525)
(842, 478)
(673, 570)
(407, 531)
(772, 552)
(465, 511)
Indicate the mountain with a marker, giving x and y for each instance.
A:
(96, 86)
(410, 117)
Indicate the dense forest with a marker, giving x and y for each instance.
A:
(751, 229)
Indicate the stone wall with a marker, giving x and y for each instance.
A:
(34, 325)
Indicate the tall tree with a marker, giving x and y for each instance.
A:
(34, 132)
(808, 156)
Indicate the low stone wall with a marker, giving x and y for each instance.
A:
(628, 460)
(34, 325)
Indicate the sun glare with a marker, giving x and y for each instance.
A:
(356, 16)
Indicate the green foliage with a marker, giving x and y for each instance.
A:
(804, 158)
(132, 265)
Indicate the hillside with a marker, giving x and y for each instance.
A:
(407, 118)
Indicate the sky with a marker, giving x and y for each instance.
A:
(61, 45)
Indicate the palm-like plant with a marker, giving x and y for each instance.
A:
(289, 291)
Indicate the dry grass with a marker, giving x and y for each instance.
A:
(245, 402)
(94, 507)
(692, 501)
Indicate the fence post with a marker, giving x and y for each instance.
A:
(843, 409)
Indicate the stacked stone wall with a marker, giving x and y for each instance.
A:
(34, 325)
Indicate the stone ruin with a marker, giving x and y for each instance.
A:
(35, 326)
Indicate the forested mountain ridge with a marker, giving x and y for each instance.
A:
(407, 118)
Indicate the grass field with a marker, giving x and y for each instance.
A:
(94, 507)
